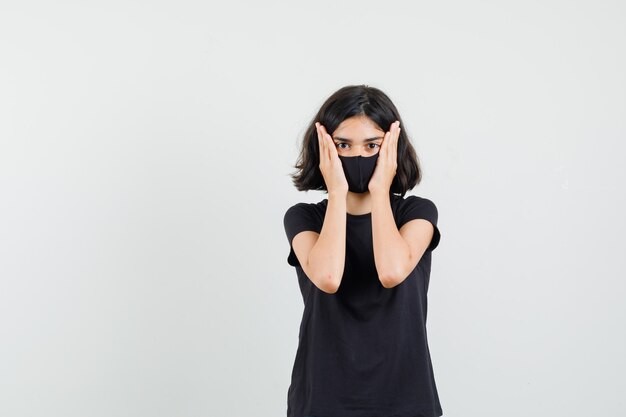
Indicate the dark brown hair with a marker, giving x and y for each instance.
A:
(347, 102)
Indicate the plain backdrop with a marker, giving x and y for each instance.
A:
(145, 155)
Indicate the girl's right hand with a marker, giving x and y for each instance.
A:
(330, 164)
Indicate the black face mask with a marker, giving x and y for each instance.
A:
(358, 170)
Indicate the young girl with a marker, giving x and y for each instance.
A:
(362, 258)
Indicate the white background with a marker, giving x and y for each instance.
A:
(144, 160)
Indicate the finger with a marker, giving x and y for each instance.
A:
(320, 143)
(328, 141)
(394, 145)
(385, 144)
(391, 144)
(331, 146)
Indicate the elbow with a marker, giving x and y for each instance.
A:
(394, 277)
(390, 280)
(327, 283)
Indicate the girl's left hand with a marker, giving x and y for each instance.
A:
(387, 161)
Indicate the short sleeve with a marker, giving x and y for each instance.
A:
(415, 207)
(298, 218)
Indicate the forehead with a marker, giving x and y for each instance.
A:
(358, 128)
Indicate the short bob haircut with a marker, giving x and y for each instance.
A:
(349, 101)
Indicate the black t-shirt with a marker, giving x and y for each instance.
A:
(363, 351)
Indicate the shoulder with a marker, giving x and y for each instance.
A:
(304, 216)
(412, 201)
(306, 209)
(416, 207)
(417, 201)
(298, 207)
(413, 207)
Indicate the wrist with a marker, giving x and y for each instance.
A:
(338, 194)
(379, 192)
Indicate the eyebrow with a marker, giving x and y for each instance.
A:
(350, 140)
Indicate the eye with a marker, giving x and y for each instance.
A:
(375, 145)
(341, 143)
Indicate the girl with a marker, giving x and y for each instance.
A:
(362, 258)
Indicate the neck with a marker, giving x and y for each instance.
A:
(359, 203)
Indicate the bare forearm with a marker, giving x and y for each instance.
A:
(391, 252)
(327, 257)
